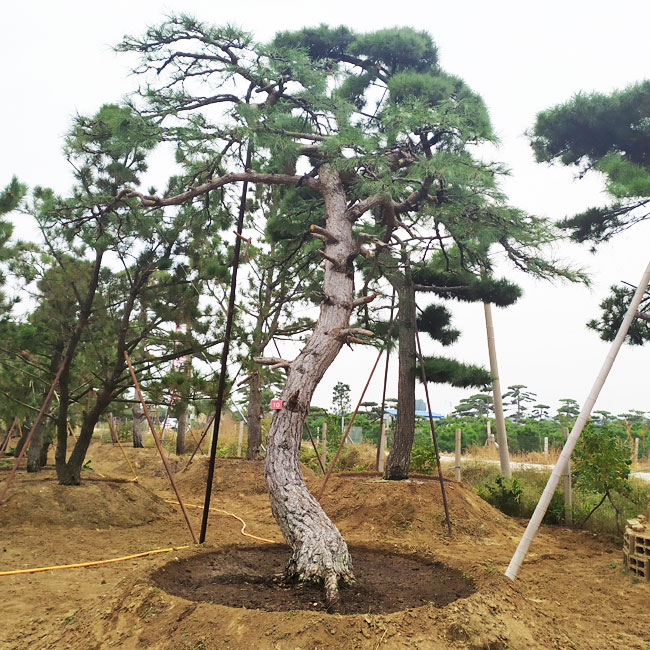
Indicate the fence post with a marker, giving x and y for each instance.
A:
(382, 448)
(324, 447)
(240, 439)
(568, 497)
(457, 457)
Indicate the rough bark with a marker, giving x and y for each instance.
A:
(22, 440)
(319, 552)
(45, 447)
(70, 472)
(62, 424)
(399, 459)
(34, 452)
(139, 425)
(254, 436)
(38, 448)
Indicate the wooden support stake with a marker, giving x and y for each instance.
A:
(382, 448)
(196, 441)
(203, 435)
(5, 442)
(383, 393)
(502, 436)
(457, 470)
(324, 447)
(168, 469)
(566, 480)
(37, 424)
(117, 440)
(313, 444)
(240, 440)
(347, 430)
(71, 430)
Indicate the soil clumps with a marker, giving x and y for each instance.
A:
(252, 577)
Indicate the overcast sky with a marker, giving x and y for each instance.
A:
(521, 57)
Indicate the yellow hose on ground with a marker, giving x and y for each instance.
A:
(95, 563)
(225, 512)
(137, 555)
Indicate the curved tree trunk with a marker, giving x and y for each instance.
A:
(399, 459)
(139, 425)
(319, 552)
(254, 437)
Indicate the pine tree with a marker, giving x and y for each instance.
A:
(384, 133)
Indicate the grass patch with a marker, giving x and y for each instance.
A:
(532, 482)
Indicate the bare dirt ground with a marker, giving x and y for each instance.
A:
(571, 592)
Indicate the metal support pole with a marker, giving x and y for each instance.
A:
(433, 430)
(218, 405)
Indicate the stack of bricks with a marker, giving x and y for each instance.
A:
(636, 547)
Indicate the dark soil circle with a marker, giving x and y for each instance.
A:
(251, 577)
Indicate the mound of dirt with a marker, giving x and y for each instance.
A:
(571, 594)
(94, 504)
(252, 577)
(232, 477)
(364, 504)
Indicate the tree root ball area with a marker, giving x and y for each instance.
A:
(252, 577)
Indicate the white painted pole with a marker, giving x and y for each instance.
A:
(546, 448)
(457, 471)
(241, 438)
(540, 510)
(568, 496)
(502, 437)
(382, 448)
(635, 460)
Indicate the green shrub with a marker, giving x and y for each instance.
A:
(423, 458)
(504, 494)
